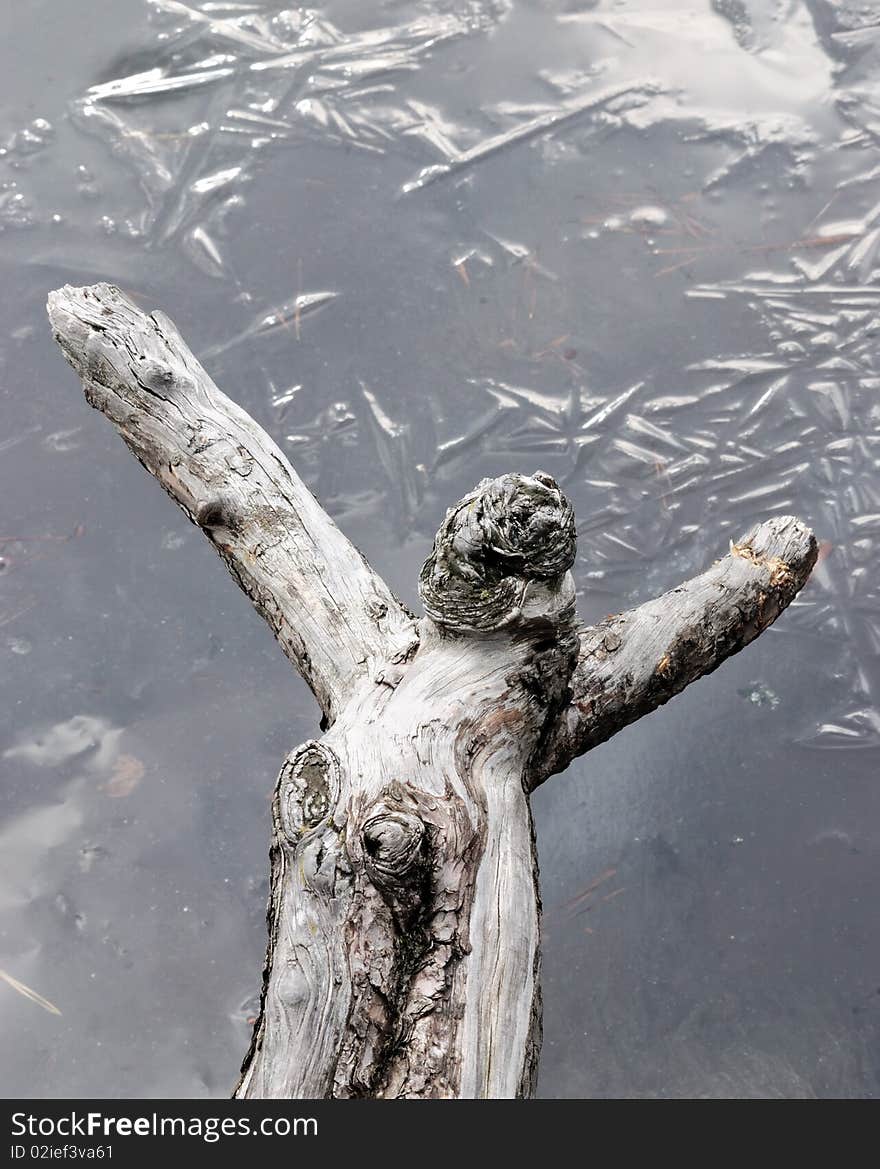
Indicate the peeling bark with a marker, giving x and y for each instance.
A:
(404, 915)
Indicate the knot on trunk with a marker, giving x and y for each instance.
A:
(507, 536)
(396, 849)
(392, 843)
(308, 789)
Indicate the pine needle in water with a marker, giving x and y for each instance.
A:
(29, 994)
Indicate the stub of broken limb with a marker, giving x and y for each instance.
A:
(502, 557)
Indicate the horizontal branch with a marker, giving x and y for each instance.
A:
(632, 663)
(333, 616)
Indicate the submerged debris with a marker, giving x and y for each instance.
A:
(760, 694)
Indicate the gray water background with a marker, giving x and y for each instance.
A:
(634, 244)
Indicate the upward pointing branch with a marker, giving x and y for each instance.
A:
(633, 662)
(334, 617)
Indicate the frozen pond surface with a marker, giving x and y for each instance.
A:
(632, 243)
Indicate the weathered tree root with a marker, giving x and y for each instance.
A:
(403, 954)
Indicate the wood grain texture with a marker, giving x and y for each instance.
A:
(404, 917)
(423, 854)
(633, 662)
(333, 616)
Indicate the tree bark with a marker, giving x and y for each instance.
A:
(404, 915)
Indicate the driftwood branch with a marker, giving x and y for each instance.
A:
(403, 955)
(631, 663)
(333, 616)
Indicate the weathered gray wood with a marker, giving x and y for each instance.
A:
(333, 616)
(404, 933)
(404, 925)
(633, 662)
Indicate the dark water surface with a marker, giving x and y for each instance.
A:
(632, 243)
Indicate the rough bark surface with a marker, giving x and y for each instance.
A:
(404, 915)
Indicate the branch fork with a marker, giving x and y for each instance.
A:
(403, 956)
